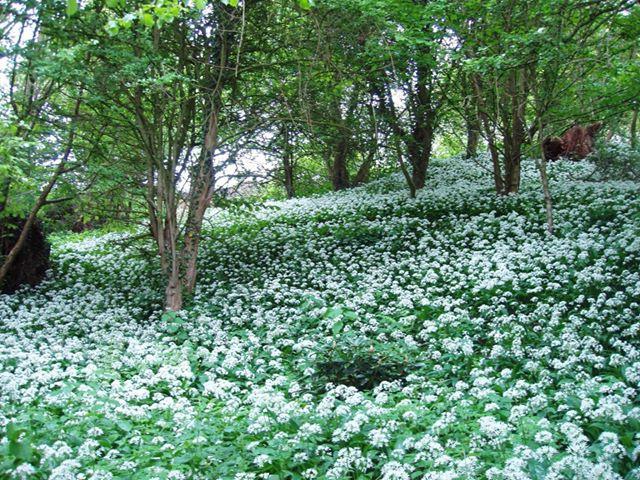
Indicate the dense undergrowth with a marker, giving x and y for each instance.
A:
(357, 335)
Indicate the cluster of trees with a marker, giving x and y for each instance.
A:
(146, 109)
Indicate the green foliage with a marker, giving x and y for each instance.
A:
(616, 161)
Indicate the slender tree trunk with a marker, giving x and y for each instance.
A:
(287, 164)
(548, 201)
(471, 119)
(490, 136)
(544, 180)
(634, 128)
(387, 109)
(200, 200)
(405, 171)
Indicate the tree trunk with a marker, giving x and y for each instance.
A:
(421, 141)
(498, 180)
(548, 202)
(339, 172)
(419, 149)
(173, 292)
(514, 134)
(512, 168)
(544, 179)
(363, 172)
(200, 200)
(287, 165)
(405, 170)
(473, 135)
(634, 129)
(471, 119)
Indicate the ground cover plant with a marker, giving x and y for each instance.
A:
(357, 335)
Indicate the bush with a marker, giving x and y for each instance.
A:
(616, 160)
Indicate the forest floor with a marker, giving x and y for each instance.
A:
(355, 335)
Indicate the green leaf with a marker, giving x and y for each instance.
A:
(333, 312)
(200, 4)
(124, 425)
(306, 4)
(337, 327)
(21, 450)
(169, 316)
(147, 19)
(72, 7)
(233, 3)
(13, 432)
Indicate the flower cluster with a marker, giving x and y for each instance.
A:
(361, 334)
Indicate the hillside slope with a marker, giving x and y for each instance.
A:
(355, 335)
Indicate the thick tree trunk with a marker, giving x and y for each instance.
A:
(173, 292)
(514, 135)
(363, 172)
(339, 172)
(421, 141)
(473, 136)
(419, 149)
(512, 169)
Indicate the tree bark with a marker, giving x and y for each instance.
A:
(287, 164)
(405, 170)
(473, 135)
(544, 180)
(363, 172)
(419, 149)
(421, 141)
(339, 172)
(490, 136)
(634, 128)
(514, 135)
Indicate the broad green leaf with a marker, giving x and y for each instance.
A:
(21, 450)
(337, 327)
(147, 19)
(72, 7)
